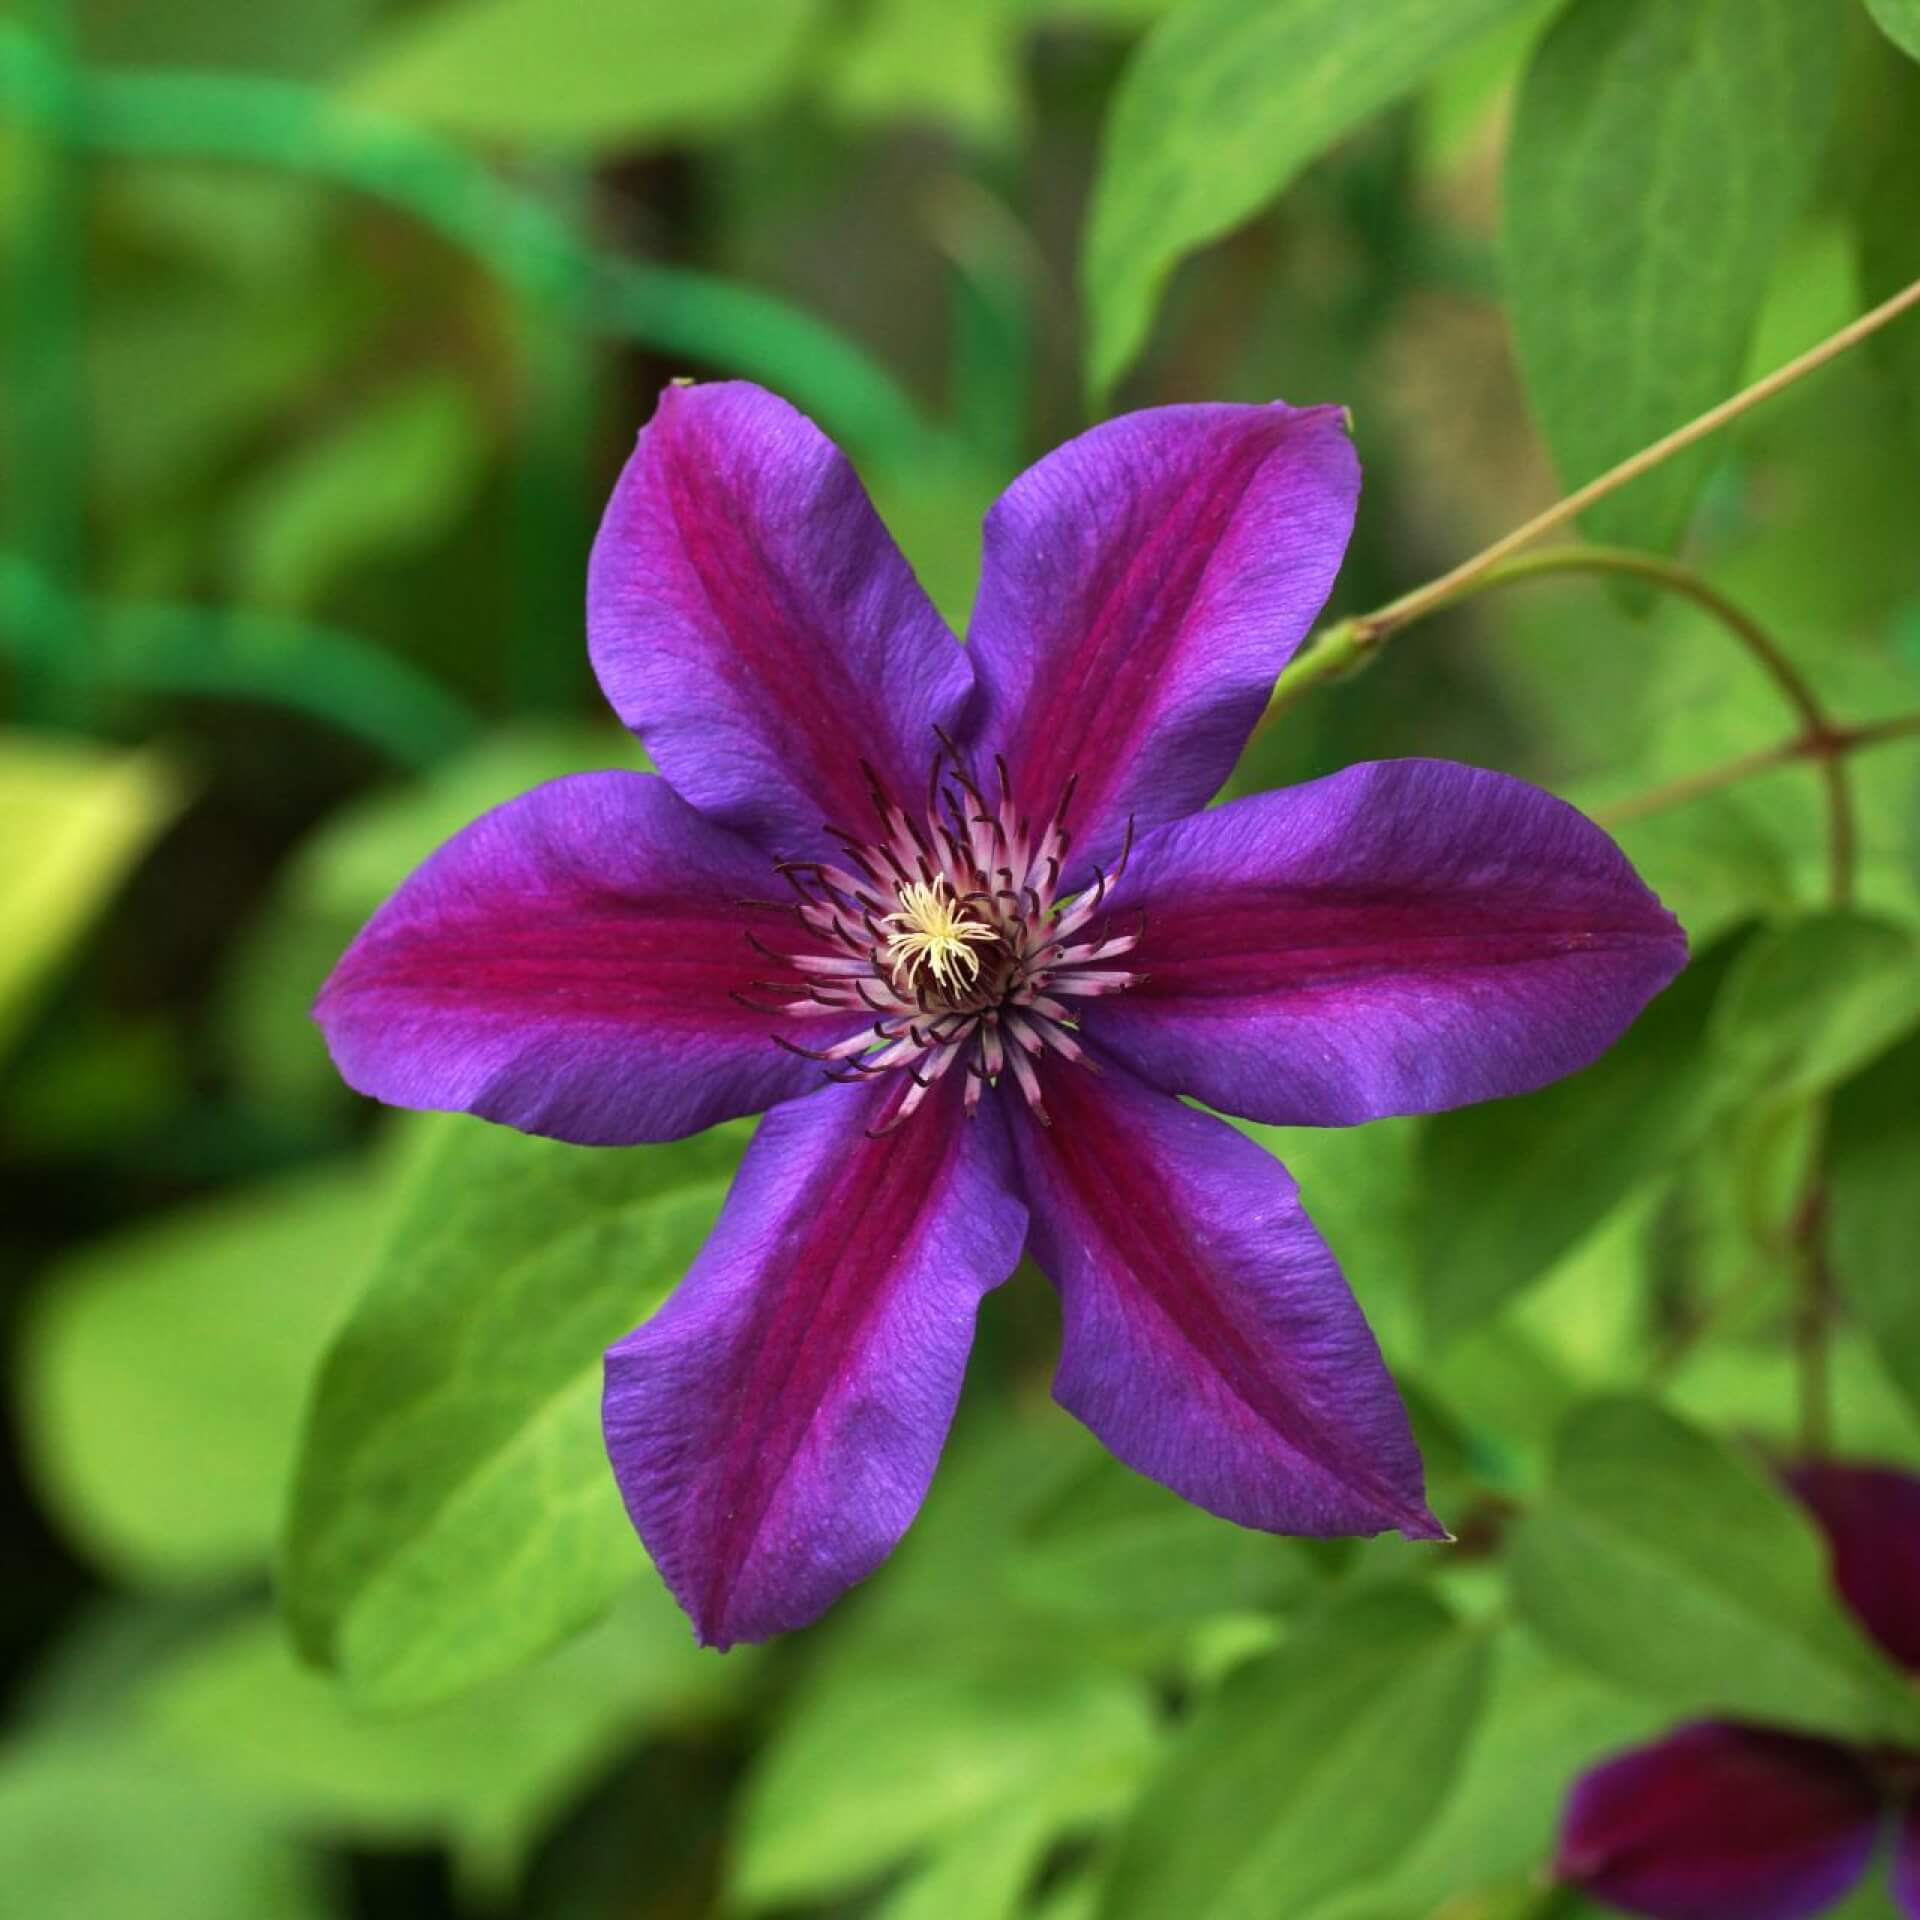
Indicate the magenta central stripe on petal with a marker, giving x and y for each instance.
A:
(815, 1328)
(1116, 1169)
(774, 1427)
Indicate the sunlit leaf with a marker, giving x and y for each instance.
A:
(928, 60)
(453, 1511)
(1544, 1722)
(1873, 1205)
(582, 73)
(483, 1775)
(1660, 153)
(1899, 20)
(74, 818)
(1668, 1564)
(1308, 1770)
(104, 1830)
(1111, 1546)
(1807, 1004)
(389, 478)
(887, 1754)
(1225, 101)
(1506, 1189)
(164, 1372)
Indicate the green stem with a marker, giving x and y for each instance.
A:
(205, 116)
(1747, 766)
(46, 409)
(1347, 644)
(147, 650)
(1436, 593)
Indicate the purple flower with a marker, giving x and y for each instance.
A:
(1008, 939)
(1722, 1821)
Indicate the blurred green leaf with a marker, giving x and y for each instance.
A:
(1112, 1546)
(164, 1372)
(929, 60)
(1308, 1769)
(293, 37)
(395, 475)
(1225, 101)
(1886, 235)
(1661, 150)
(1544, 1723)
(1360, 1187)
(1751, 1387)
(453, 1513)
(1873, 1202)
(1507, 1188)
(74, 817)
(583, 73)
(892, 1752)
(485, 1774)
(1808, 1004)
(982, 1871)
(1662, 1560)
(100, 1830)
(1899, 20)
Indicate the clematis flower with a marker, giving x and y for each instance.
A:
(1724, 1821)
(958, 918)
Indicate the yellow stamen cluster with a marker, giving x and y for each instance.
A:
(930, 934)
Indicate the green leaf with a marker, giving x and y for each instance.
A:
(453, 1513)
(957, 67)
(1662, 1560)
(583, 73)
(1308, 1769)
(392, 477)
(890, 1752)
(73, 819)
(164, 1372)
(484, 1774)
(1112, 1546)
(1899, 20)
(1223, 104)
(1661, 151)
(1887, 237)
(102, 1830)
(1543, 1725)
(1808, 1004)
(1873, 1207)
(1508, 1188)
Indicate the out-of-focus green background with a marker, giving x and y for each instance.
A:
(327, 326)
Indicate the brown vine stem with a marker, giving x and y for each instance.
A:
(1730, 773)
(1347, 644)
(1816, 723)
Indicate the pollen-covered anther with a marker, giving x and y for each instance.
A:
(948, 934)
(932, 934)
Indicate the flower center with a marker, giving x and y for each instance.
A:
(950, 930)
(933, 934)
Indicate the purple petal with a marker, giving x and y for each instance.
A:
(1140, 590)
(1209, 1338)
(751, 620)
(563, 965)
(773, 1428)
(1871, 1517)
(1402, 937)
(1721, 1822)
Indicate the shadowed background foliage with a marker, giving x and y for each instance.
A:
(327, 326)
